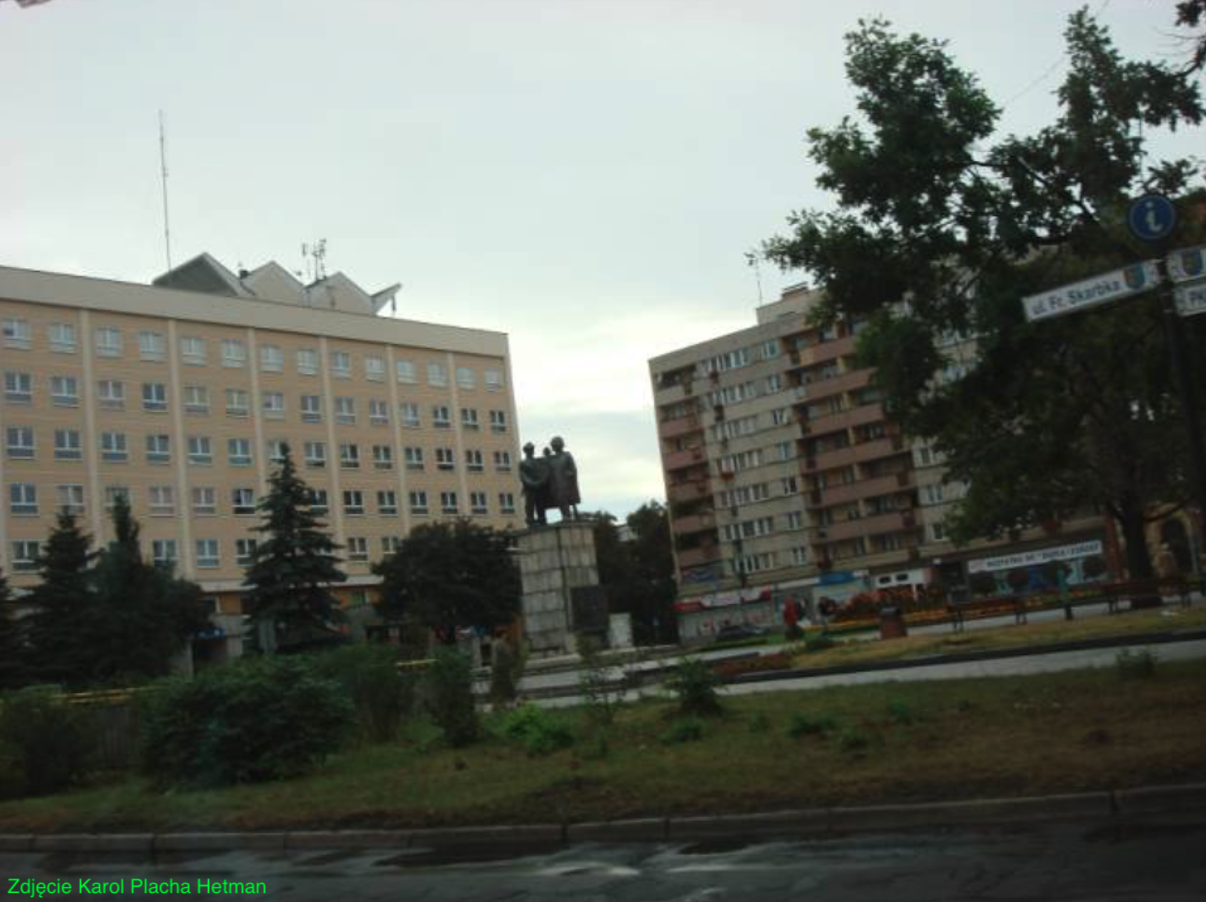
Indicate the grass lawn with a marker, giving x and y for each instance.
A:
(884, 743)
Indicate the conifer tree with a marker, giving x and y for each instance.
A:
(60, 605)
(11, 646)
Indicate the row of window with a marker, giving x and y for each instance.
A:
(111, 395)
(20, 444)
(767, 560)
(232, 352)
(23, 500)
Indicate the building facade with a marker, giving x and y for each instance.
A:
(784, 476)
(180, 395)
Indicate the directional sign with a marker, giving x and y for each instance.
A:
(1187, 264)
(1102, 289)
(1152, 217)
(1191, 299)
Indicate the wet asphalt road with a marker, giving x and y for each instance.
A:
(1153, 859)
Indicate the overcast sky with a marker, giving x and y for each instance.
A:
(585, 176)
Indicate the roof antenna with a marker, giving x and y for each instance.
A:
(167, 231)
(751, 260)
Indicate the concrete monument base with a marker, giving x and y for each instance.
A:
(553, 561)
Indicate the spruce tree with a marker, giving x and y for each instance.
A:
(293, 565)
(60, 606)
(11, 646)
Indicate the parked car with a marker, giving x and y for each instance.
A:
(731, 631)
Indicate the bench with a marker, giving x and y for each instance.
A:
(986, 607)
(1162, 587)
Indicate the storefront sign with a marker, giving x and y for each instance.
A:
(1035, 557)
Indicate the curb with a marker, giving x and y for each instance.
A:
(812, 823)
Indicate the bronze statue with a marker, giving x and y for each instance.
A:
(563, 480)
(549, 481)
(534, 476)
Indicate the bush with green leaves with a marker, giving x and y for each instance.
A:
(252, 720)
(369, 677)
(694, 684)
(685, 729)
(448, 696)
(601, 694)
(540, 732)
(802, 725)
(852, 739)
(506, 671)
(817, 641)
(1136, 665)
(46, 738)
(900, 712)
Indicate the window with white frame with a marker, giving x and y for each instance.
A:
(276, 450)
(790, 485)
(378, 412)
(16, 333)
(113, 492)
(383, 457)
(387, 503)
(164, 552)
(245, 551)
(478, 503)
(473, 460)
(159, 449)
(345, 410)
(437, 374)
(315, 454)
(207, 554)
(493, 380)
(62, 338)
(19, 442)
(307, 361)
(374, 369)
(445, 459)
(410, 415)
(418, 503)
(238, 452)
(469, 418)
(154, 397)
(111, 394)
(466, 377)
(448, 503)
(22, 498)
(25, 555)
(774, 384)
(274, 405)
(440, 417)
(390, 545)
(192, 350)
(931, 494)
(353, 502)
(413, 457)
(18, 387)
(68, 445)
(318, 502)
(502, 461)
(205, 500)
(769, 349)
(200, 450)
(234, 353)
(311, 409)
(799, 556)
(938, 532)
(196, 399)
(113, 447)
(349, 456)
(242, 500)
(780, 416)
(406, 372)
(341, 364)
(108, 342)
(272, 359)
(237, 402)
(506, 502)
(161, 499)
(498, 421)
(152, 346)
(357, 548)
(795, 519)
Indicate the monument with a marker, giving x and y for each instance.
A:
(556, 561)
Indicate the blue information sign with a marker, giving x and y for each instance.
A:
(1152, 217)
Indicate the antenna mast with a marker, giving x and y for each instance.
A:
(167, 231)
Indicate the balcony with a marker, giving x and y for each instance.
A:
(679, 426)
(855, 454)
(688, 491)
(823, 352)
(694, 523)
(890, 521)
(824, 388)
(847, 419)
(694, 557)
(678, 460)
(862, 488)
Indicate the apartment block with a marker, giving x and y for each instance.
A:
(181, 394)
(785, 477)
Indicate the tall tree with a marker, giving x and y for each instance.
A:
(939, 233)
(638, 570)
(57, 649)
(294, 564)
(1192, 14)
(143, 615)
(11, 642)
(451, 575)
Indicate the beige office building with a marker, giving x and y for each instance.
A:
(180, 395)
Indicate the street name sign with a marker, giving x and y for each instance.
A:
(1101, 289)
(1187, 264)
(1191, 299)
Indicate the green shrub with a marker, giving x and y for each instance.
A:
(448, 695)
(802, 725)
(853, 739)
(600, 693)
(694, 684)
(45, 737)
(1136, 665)
(368, 676)
(685, 729)
(252, 720)
(505, 674)
(814, 642)
(537, 730)
(900, 712)
(759, 723)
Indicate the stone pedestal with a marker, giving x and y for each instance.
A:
(553, 561)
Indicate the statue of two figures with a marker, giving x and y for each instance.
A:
(550, 481)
